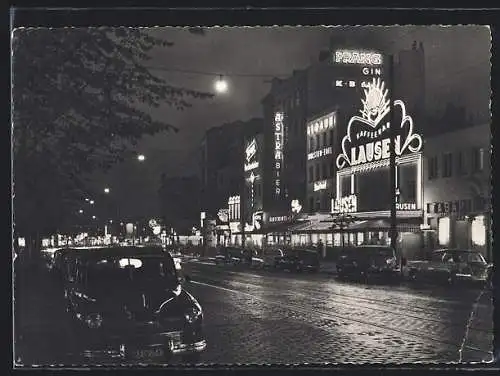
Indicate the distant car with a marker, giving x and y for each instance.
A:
(368, 261)
(129, 303)
(268, 259)
(229, 255)
(452, 266)
(299, 260)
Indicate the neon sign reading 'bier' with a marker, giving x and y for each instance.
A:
(278, 150)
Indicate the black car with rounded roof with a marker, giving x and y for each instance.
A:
(129, 302)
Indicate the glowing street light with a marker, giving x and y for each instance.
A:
(80, 211)
(87, 199)
(141, 157)
(221, 85)
(106, 190)
(91, 202)
(93, 217)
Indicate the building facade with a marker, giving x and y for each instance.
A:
(221, 160)
(457, 189)
(285, 112)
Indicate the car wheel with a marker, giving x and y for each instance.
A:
(191, 358)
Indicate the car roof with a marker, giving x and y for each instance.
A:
(456, 250)
(134, 251)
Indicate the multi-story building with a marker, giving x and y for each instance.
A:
(457, 189)
(221, 163)
(285, 112)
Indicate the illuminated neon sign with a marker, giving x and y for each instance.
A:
(347, 204)
(320, 153)
(321, 124)
(278, 150)
(250, 153)
(320, 185)
(406, 206)
(357, 57)
(364, 141)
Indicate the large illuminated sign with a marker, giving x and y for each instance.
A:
(347, 204)
(252, 179)
(278, 150)
(365, 141)
(296, 206)
(357, 57)
(320, 153)
(250, 154)
(321, 124)
(320, 185)
(223, 215)
(257, 219)
(406, 206)
(234, 207)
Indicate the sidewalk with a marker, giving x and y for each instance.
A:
(480, 333)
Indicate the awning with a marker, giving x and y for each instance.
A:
(358, 226)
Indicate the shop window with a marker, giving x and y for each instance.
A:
(447, 165)
(477, 159)
(361, 238)
(461, 163)
(318, 205)
(433, 167)
(325, 171)
(444, 231)
(329, 239)
(311, 174)
(337, 242)
(478, 231)
(352, 239)
(345, 185)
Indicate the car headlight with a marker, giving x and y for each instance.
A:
(192, 314)
(391, 261)
(93, 320)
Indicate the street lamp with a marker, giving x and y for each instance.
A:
(141, 157)
(106, 190)
(80, 211)
(93, 217)
(221, 85)
(91, 202)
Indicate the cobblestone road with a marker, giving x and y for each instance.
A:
(267, 317)
(261, 317)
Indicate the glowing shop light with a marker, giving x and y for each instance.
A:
(221, 85)
(478, 231)
(444, 230)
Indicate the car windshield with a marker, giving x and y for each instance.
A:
(136, 270)
(464, 256)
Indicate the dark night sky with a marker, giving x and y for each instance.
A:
(457, 70)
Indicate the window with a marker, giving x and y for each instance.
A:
(433, 167)
(327, 138)
(447, 165)
(311, 174)
(324, 139)
(325, 171)
(428, 208)
(311, 144)
(311, 204)
(318, 205)
(331, 137)
(477, 159)
(461, 164)
(317, 172)
(317, 142)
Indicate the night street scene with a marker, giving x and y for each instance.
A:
(251, 195)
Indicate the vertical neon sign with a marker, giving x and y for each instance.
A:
(278, 151)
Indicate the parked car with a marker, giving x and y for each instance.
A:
(129, 303)
(268, 259)
(451, 266)
(299, 260)
(368, 261)
(229, 255)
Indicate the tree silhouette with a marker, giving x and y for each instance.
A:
(80, 102)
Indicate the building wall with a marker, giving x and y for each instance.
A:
(288, 96)
(457, 184)
(221, 160)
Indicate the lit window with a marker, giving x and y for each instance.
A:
(433, 167)
(478, 231)
(337, 239)
(444, 230)
(361, 238)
